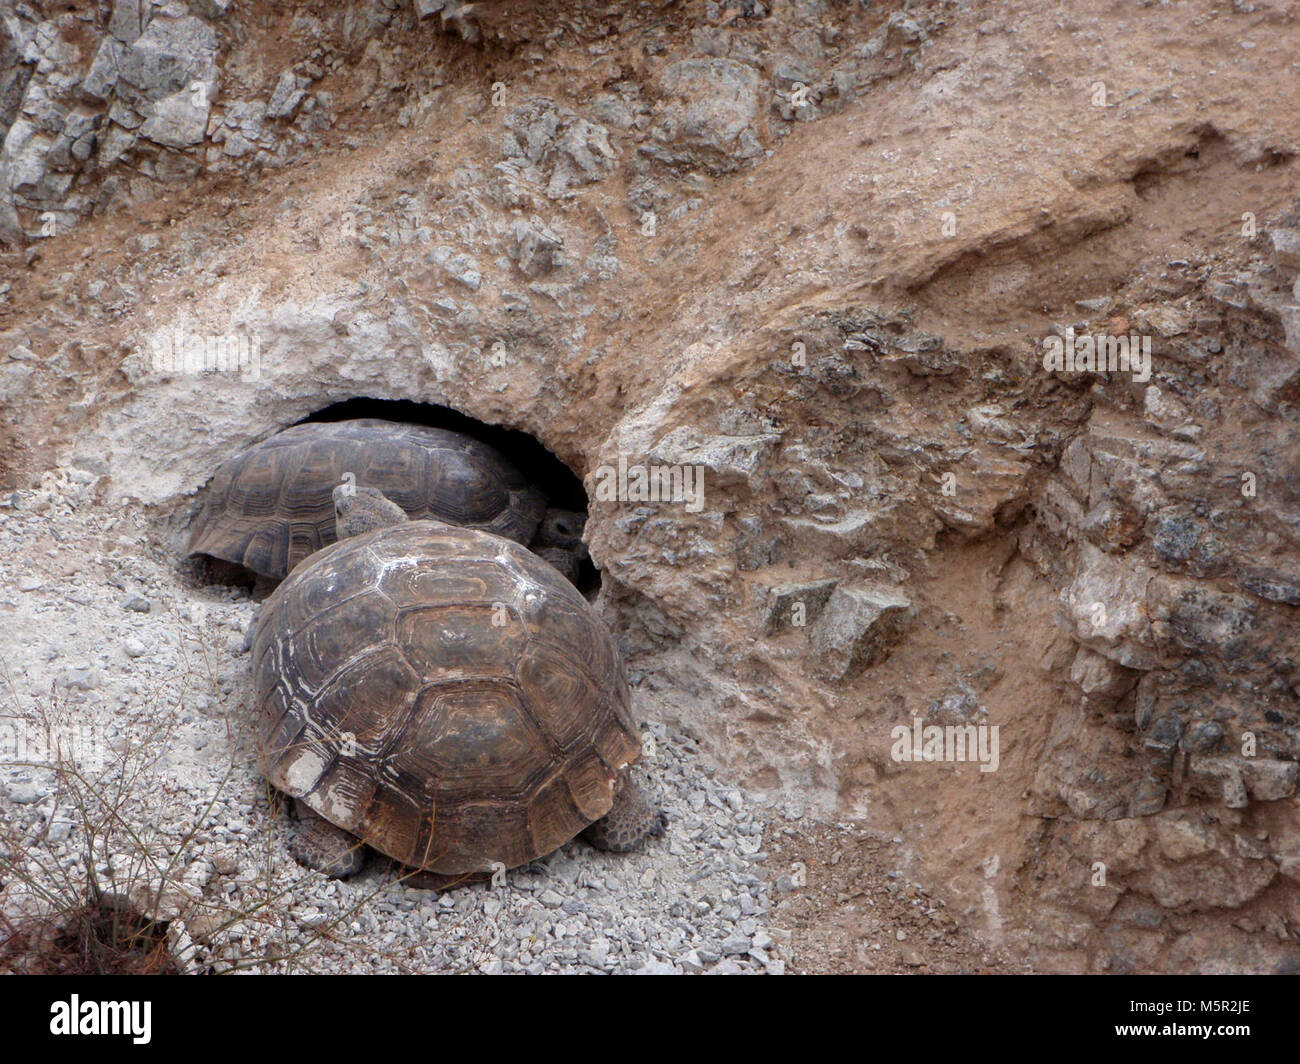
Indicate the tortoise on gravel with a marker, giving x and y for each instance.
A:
(270, 506)
(444, 696)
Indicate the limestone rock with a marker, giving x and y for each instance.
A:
(558, 148)
(101, 78)
(859, 628)
(729, 460)
(1102, 681)
(713, 115)
(15, 379)
(984, 489)
(1183, 835)
(127, 19)
(1269, 780)
(1220, 778)
(794, 605)
(289, 92)
(534, 248)
(169, 56)
(178, 120)
(1105, 608)
(1209, 883)
(1286, 247)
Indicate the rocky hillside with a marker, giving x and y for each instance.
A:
(971, 333)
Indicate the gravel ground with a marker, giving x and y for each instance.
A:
(140, 670)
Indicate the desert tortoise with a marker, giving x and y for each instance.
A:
(270, 506)
(445, 696)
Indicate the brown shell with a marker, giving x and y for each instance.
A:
(444, 695)
(271, 506)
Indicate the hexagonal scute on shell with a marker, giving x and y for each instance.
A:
(531, 572)
(469, 740)
(311, 486)
(617, 740)
(300, 765)
(590, 784)
(441, 577)
(305, 539)
(268, 666)
(469, 492)
(554, 816)
(559, 693)
(334, 636)
(409, 476)
(333, 575)
(263, 547)
(241, 485)
(462, 642)
(366, 707)
(561, 618)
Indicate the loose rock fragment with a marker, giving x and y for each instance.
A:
(859, 628)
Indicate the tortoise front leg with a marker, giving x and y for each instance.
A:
(318, 844)
(630, 821)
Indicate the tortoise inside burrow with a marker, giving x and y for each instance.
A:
(444, 696)
(271, 506)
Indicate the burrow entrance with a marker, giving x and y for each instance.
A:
(538, 465)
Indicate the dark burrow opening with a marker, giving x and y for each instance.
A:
(532, 459)
(542, 468)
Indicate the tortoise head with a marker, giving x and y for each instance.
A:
(562, 529)
(358, 510)
(558, 540)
